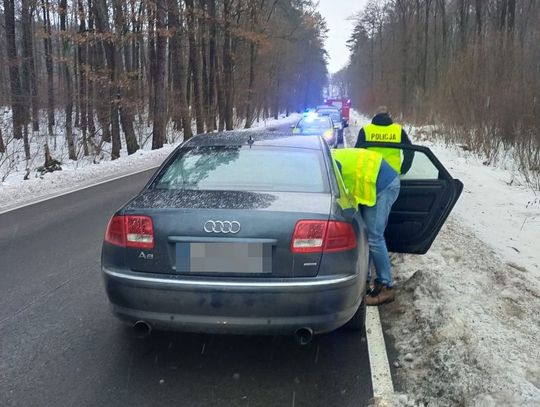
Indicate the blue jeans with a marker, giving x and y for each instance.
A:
(376, 219)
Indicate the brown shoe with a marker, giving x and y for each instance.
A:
(384, 296)
(374, 290)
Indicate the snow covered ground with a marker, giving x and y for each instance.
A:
(87, 171)
(466, 322)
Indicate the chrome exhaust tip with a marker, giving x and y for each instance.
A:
(141, 329)
(303, 335)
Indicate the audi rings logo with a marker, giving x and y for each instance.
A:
(219, 226)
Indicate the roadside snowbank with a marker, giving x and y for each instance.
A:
(84, 172)
(465, 325)
(466, 321)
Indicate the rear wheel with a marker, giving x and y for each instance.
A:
(358, 321)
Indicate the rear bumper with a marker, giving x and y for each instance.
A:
(234, 306)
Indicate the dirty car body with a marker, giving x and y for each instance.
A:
(239, 233)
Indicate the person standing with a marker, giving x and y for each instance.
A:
(383, 130)
(375, 186)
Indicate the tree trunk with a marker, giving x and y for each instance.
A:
(426, 44)
(404, 55)
(220, 92)
(212, 66)
(68, 83)
(478, 14)
(123, 103)
(90, 56)
(14, 79)
(227, 67)
(151, 72)
(203, 40)
(511, 17)
(462, 9)
(160, 105)
(47, 46)
(181, 115)
(82, 62)
(444, 29)
(194, 66)
(2, 144)
(252, 61)
(102, 26)
(28, 61)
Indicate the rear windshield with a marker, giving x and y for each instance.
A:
(334, 114)
(314, 124)
(245, 169)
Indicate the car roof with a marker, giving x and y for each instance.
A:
(256, 138)
(314, 118)
(328, 107)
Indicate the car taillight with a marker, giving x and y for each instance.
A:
(115, 233)
(314, 236)
(339, 237)
(131, 231)
(308, 236)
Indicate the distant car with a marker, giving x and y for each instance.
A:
(343, 104)
(255, 233)
(313, 124)
(336, 116)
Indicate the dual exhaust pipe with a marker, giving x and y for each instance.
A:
(303, 336)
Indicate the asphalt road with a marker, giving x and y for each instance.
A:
(60, 346)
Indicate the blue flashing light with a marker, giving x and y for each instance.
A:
(310, 116)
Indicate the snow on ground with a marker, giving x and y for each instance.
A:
(466, 320)
(85, 171)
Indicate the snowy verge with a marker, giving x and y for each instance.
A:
(466, 320)
(501, 212)
(465, 325)
(73, 178)
(84, 173)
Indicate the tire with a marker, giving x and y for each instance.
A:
(358, 321)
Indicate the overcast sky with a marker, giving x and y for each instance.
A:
(336, 13)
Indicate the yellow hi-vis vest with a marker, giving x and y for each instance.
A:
(386, 134)
(359, 170)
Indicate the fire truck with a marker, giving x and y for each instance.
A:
(344, 104)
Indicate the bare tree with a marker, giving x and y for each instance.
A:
(194, 65)
(14, 79)
(160, 105)
(68, 82)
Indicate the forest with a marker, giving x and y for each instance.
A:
(93, 77)
(471, 68)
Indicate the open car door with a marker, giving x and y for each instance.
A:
(428, 194)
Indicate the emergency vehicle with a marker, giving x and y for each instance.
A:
(341, 103)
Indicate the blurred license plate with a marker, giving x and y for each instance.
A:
(223, 258)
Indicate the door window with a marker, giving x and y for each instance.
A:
(421, 168)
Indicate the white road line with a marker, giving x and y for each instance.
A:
(47, 197)
(381, 379)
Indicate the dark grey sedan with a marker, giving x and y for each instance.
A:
(241, 233)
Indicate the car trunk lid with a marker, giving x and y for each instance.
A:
(226, 233)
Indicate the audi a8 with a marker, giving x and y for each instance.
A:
(239, 233)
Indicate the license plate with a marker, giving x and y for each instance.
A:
(240, 258)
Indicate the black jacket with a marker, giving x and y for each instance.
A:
(383, 119)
